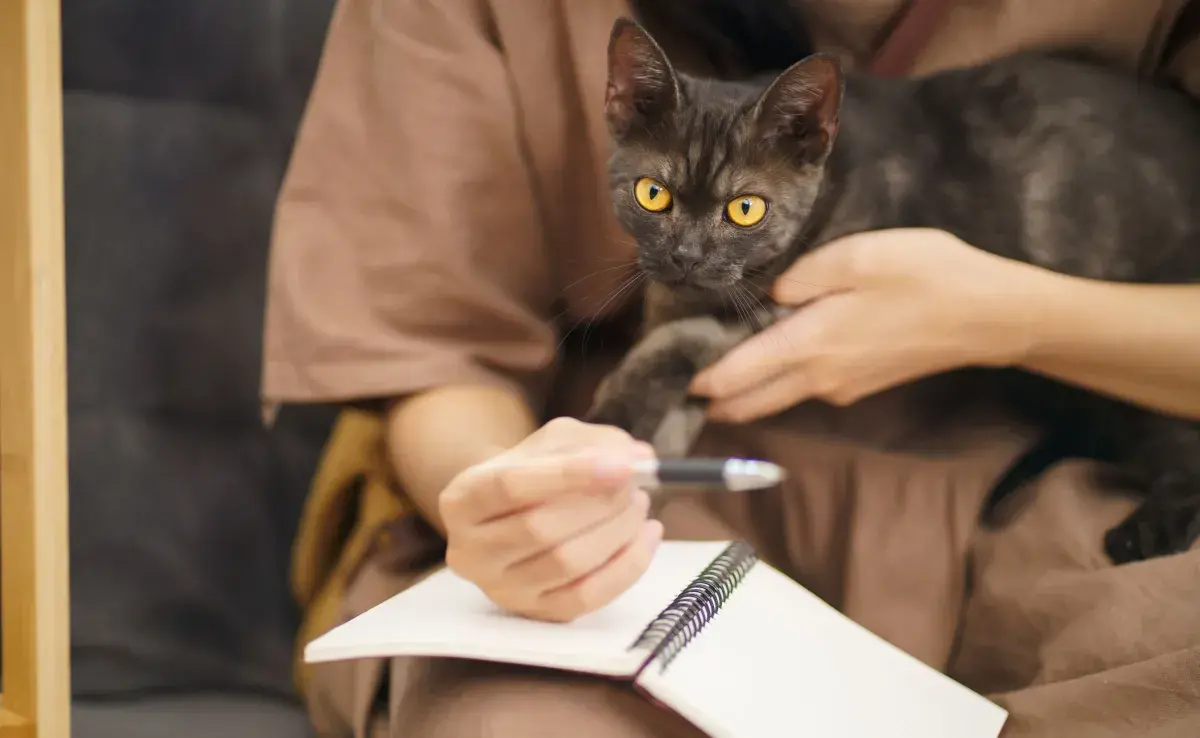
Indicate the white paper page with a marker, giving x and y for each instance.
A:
(444, 615)
(777, 661)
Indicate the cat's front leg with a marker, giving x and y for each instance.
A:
(647, 394)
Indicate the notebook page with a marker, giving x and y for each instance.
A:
(777, 660)
(445, 615)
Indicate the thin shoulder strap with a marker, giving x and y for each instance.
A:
(917, 24)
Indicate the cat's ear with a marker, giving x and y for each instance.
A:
(642, 87)
(801, 108)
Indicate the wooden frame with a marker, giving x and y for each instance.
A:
(33, 469)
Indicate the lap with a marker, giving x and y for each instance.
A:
(1030, 613)
(451, 698)
(459, 699)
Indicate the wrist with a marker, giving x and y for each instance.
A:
(1048, 316)
(1023, 314)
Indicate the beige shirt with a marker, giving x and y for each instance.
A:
(446, 209)
(447, 206)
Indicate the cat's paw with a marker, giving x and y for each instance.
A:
(647, 394)
(611, 409)
(680, 427)
(1167, 522)
(627, 399)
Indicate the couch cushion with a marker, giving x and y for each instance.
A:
(178, 562)
(225, 52)
(196, 716)
(183, 506)
(169, 210)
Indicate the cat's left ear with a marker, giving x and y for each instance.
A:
(642, 87)
(801, 108)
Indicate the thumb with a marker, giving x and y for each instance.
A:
(820, 272)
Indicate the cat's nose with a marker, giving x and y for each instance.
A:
(685, 262)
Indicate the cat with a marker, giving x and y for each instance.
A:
(1050, 159)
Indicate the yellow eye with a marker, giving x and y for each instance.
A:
(652, 195)
(746, 210)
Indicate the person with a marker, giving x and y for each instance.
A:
(445, 216)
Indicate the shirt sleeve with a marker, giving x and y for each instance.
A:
(407, 251)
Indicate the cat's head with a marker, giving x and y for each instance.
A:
(714, 179)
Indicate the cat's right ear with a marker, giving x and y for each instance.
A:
(802, 107)
(642, 87)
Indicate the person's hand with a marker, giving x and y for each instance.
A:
(879, 309)
(553, 529)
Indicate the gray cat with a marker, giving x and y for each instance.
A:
(1053, 160)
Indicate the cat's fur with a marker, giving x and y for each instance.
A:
(1046, 159)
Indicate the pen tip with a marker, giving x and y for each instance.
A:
(773, 473)
(757, 474)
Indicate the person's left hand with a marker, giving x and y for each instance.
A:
(883, 308)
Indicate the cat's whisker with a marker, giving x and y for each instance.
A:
(747, 314)
(759, 272)
(761, 306)
(727, 298)
(558, 316)
(625, 265)
(752, 303)
(762, 328)
(613, 259)
(620, 246)
(730, 300)
(627, 286)
(592, 316)
(789, 280)
(753, 322)
(743, 311)
(587, 321)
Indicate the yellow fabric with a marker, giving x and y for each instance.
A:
(352, 498)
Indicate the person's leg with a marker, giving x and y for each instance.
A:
(1069, 643)
(451, 698)
(436, 698)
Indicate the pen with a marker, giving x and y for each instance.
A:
(732, 475)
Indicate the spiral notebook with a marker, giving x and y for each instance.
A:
(709, 631)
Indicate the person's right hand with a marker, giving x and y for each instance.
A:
(552, 529)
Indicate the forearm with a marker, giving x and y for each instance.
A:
(434, 435)
(1140, 343)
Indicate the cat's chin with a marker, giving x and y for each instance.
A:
(696, 284)
(710, 279)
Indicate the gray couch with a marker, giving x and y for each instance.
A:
(179, 117)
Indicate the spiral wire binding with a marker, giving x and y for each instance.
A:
(682, 620)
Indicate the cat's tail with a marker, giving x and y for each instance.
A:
(737, 37)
